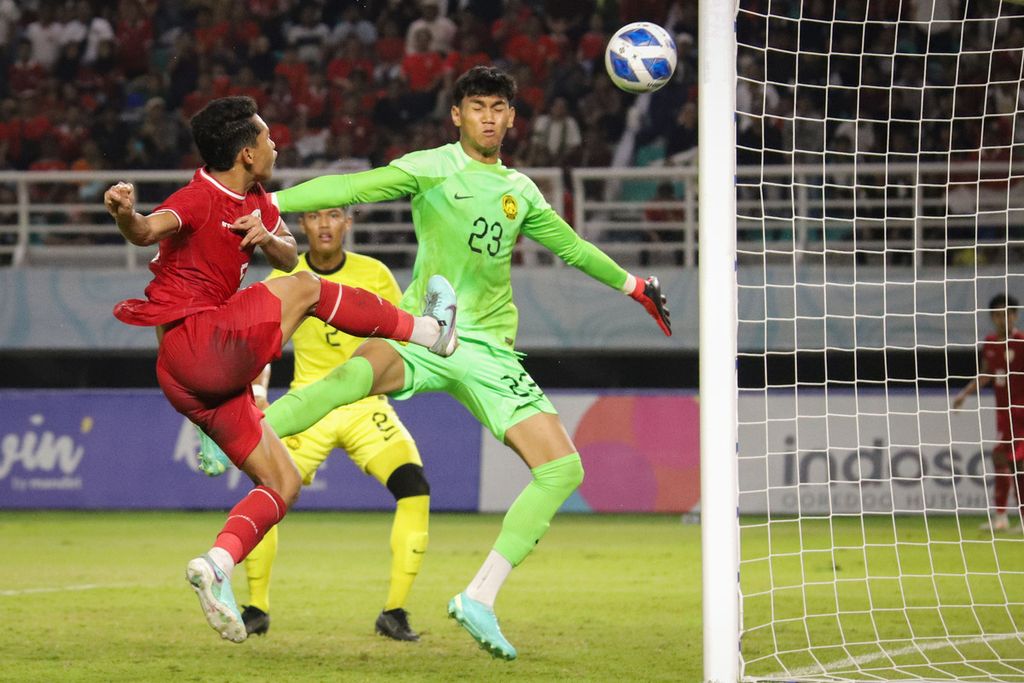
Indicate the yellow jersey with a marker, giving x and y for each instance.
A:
(319, 348)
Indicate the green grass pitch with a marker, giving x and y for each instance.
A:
(88, 596)
(909, 597)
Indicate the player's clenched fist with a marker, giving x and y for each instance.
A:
(120, 200)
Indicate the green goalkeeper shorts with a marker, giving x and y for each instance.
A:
(491, 382)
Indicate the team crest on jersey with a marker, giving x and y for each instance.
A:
(509, 206)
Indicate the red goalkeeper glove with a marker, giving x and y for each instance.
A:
(648, 293)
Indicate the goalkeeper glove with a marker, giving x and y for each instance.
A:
(648, 293)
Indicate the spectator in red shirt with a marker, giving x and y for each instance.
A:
(533, 48)
(460, 61)
(245, 83)
(281, 96)
(278, 117)
(10, 131)
(422, 69)
(198, 98)
(593, 42)
(362, 89)
(294, 70)
(209, 32)
(71, 133)
(268, 10)
(242, 30)
(510, 24)
(35, 123)
(47, 159)
(221, 80)
(25, 73)
(104, 75)
(314, 99)
(351, 57)
(469, 54)
(134, 38)
(389, 50)
(529, 94)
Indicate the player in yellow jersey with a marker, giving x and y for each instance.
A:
(368, 430)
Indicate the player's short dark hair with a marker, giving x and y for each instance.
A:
(222, 128)
(1001, 301)
(484, 80)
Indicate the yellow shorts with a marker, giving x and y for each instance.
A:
(365, 429)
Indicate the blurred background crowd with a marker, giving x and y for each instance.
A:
(347, 85)
(93, 85)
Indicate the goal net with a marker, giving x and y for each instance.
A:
(879, 209)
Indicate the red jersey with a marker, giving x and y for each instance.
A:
(200, 266)
(1004, 360)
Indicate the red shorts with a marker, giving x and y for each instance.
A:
(206, 363)
(1010, 430)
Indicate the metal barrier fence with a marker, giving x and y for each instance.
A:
(640, 216)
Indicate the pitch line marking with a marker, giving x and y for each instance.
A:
(954, 641)
(61, 589)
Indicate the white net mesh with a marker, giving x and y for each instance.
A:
(880, 208)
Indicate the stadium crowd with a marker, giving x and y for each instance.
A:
(91, 85)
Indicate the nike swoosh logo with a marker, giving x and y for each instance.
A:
(463, 196)
(218, 575)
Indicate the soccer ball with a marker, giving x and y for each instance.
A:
(640, 57)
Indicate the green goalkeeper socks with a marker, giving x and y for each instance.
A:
(302, 408)
(531, 513)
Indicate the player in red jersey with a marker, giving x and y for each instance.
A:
(214, 339)
(1002, 366)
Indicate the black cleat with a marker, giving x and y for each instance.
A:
(394, 623)
(257, 622)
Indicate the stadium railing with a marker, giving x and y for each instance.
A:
(640, 216)
(57, 217)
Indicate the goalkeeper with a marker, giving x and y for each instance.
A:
(468, 210)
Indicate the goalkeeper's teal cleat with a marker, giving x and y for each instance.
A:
(212, 459)
(216, 598)
(482, 624)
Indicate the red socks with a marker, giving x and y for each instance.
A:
(249, 520)
(361, 313)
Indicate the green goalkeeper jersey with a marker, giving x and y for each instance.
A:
(467, 216)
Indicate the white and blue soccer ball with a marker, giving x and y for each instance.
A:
(640, 57)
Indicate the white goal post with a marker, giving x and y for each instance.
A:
(861, 167)
(717, 319)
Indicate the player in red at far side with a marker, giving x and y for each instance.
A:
(214, 339)
(1002, 366)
